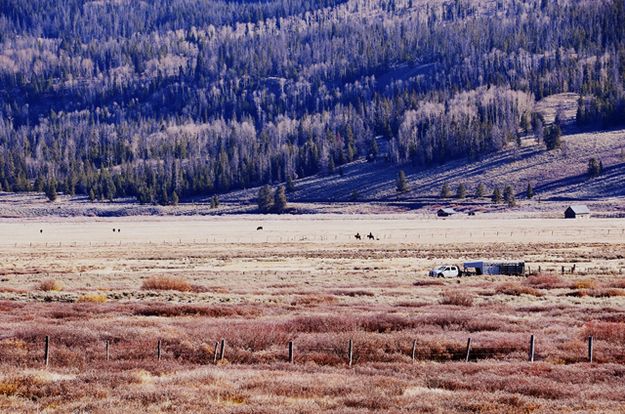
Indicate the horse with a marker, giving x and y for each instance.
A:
(370, 236)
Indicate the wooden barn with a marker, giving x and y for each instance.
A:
(577, 211)
(446, 212)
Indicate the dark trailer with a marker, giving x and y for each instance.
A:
(495, 268)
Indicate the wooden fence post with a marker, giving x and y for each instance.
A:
(291, 356)
(215, 353)
(107, 350)
(350, 352)
(414, 349)
(466, 359)
(532, 343)
(222, 350)
(158, 350)
(46, 351)
(590, 346)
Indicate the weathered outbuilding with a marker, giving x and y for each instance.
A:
(577, 211)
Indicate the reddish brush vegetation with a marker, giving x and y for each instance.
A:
(258, 314)
(606, 331)
(353, 293)
(545, 281)
(429, 282)
(618, 284)
(166, 283)
(166, 310)
(12, 290)
(452, 297)
(410, 304)
(606, 293)
(313, 300)
(516, 289)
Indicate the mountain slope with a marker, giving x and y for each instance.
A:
(557, 175)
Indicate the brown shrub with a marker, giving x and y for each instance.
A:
(429, 282)
(311, 300)
(606, 293)
(515, 289)
(384, 323)
(585, 284)
(353, 293)
(93, 298)
(9, 386)
(165, 310)
(310, 324)
(618, 284)
(166, 283)
(544, 281)
(11, 290)
(50, 285)
(455, 298)
(606, 331)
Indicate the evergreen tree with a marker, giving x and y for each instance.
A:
(445, 191)
(39, 184)
(265, 199)
(480, 190)
(594, 168)
(214, 202)
(508, 196)
(373, 151)
(51, 189)
(497, 197)
(290, 184)
(174, 199)
(552, 137)
(529, 192)
(461, 191)
(402, 183)
(280, 201)
(91, 195)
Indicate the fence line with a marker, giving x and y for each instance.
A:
(470, 353)
(280, 238)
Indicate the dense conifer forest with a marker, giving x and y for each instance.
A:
(169, 99)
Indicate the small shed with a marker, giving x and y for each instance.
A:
(446, 212)
(577, 211)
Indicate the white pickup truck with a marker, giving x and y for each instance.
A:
(446, 271)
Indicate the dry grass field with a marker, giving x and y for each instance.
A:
(192, 282)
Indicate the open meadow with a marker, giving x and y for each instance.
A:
(107, 292)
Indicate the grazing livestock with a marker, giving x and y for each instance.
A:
(357, 236)
(41, 231)
(370, 236)
(113, 230)
(259, 228)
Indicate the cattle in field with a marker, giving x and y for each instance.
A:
(357, 236)
(370, 236)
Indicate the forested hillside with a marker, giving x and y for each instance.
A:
(168, 99)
